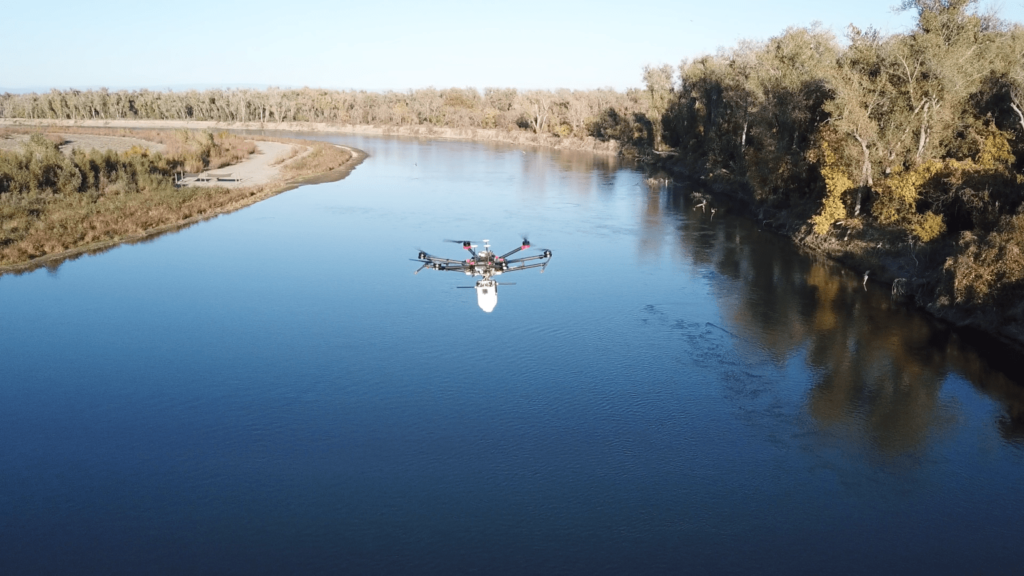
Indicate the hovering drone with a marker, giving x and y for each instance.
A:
(485, 263)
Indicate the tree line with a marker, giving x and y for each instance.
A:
(906, 141)
(560, 112)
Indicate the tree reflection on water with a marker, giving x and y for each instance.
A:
(878, 367)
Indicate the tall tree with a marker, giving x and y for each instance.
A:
(660, 90)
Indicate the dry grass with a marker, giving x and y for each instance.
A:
(322, 157)
(295, 151)
(201, 150)
(57, 139)
(197, 150)
(40, 226)
(991, 271)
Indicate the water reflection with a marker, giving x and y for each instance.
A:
(878, 367)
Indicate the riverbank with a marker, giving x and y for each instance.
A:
(48, 228)
(588, 144)
(919, 274)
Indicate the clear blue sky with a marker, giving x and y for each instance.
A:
(379, 45)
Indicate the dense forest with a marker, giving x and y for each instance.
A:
(896, 153)
(901, 152)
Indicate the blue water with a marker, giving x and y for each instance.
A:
(273, 391)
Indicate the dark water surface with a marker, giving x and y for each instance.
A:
(274, 391)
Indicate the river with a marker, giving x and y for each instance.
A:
(274, 391)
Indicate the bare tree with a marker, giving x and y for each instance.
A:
(537, 105)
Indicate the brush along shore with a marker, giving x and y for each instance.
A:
(966, 281)
(59, 198)
(519, 137)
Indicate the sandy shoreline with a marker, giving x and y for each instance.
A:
(588, 144)
(262, 167)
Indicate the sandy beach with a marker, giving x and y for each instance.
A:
(262, 167)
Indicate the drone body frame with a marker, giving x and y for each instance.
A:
(486, 264)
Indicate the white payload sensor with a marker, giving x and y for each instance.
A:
(487, 294)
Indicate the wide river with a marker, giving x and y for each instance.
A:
(274, 391)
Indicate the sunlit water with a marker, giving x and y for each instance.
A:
(274, 391)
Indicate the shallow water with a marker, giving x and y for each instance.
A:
(274, 391)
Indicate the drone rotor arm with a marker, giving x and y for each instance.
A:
(437, 260)
(456, 267)
(507, 254)
(524, 246)
(526, 267)
(526, 259)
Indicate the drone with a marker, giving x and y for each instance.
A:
(486, 264)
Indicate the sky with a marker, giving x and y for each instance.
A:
(395, 45)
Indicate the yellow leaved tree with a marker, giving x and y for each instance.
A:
(837, 183)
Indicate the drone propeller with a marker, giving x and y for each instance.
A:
(506, 283)
(466, 245)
